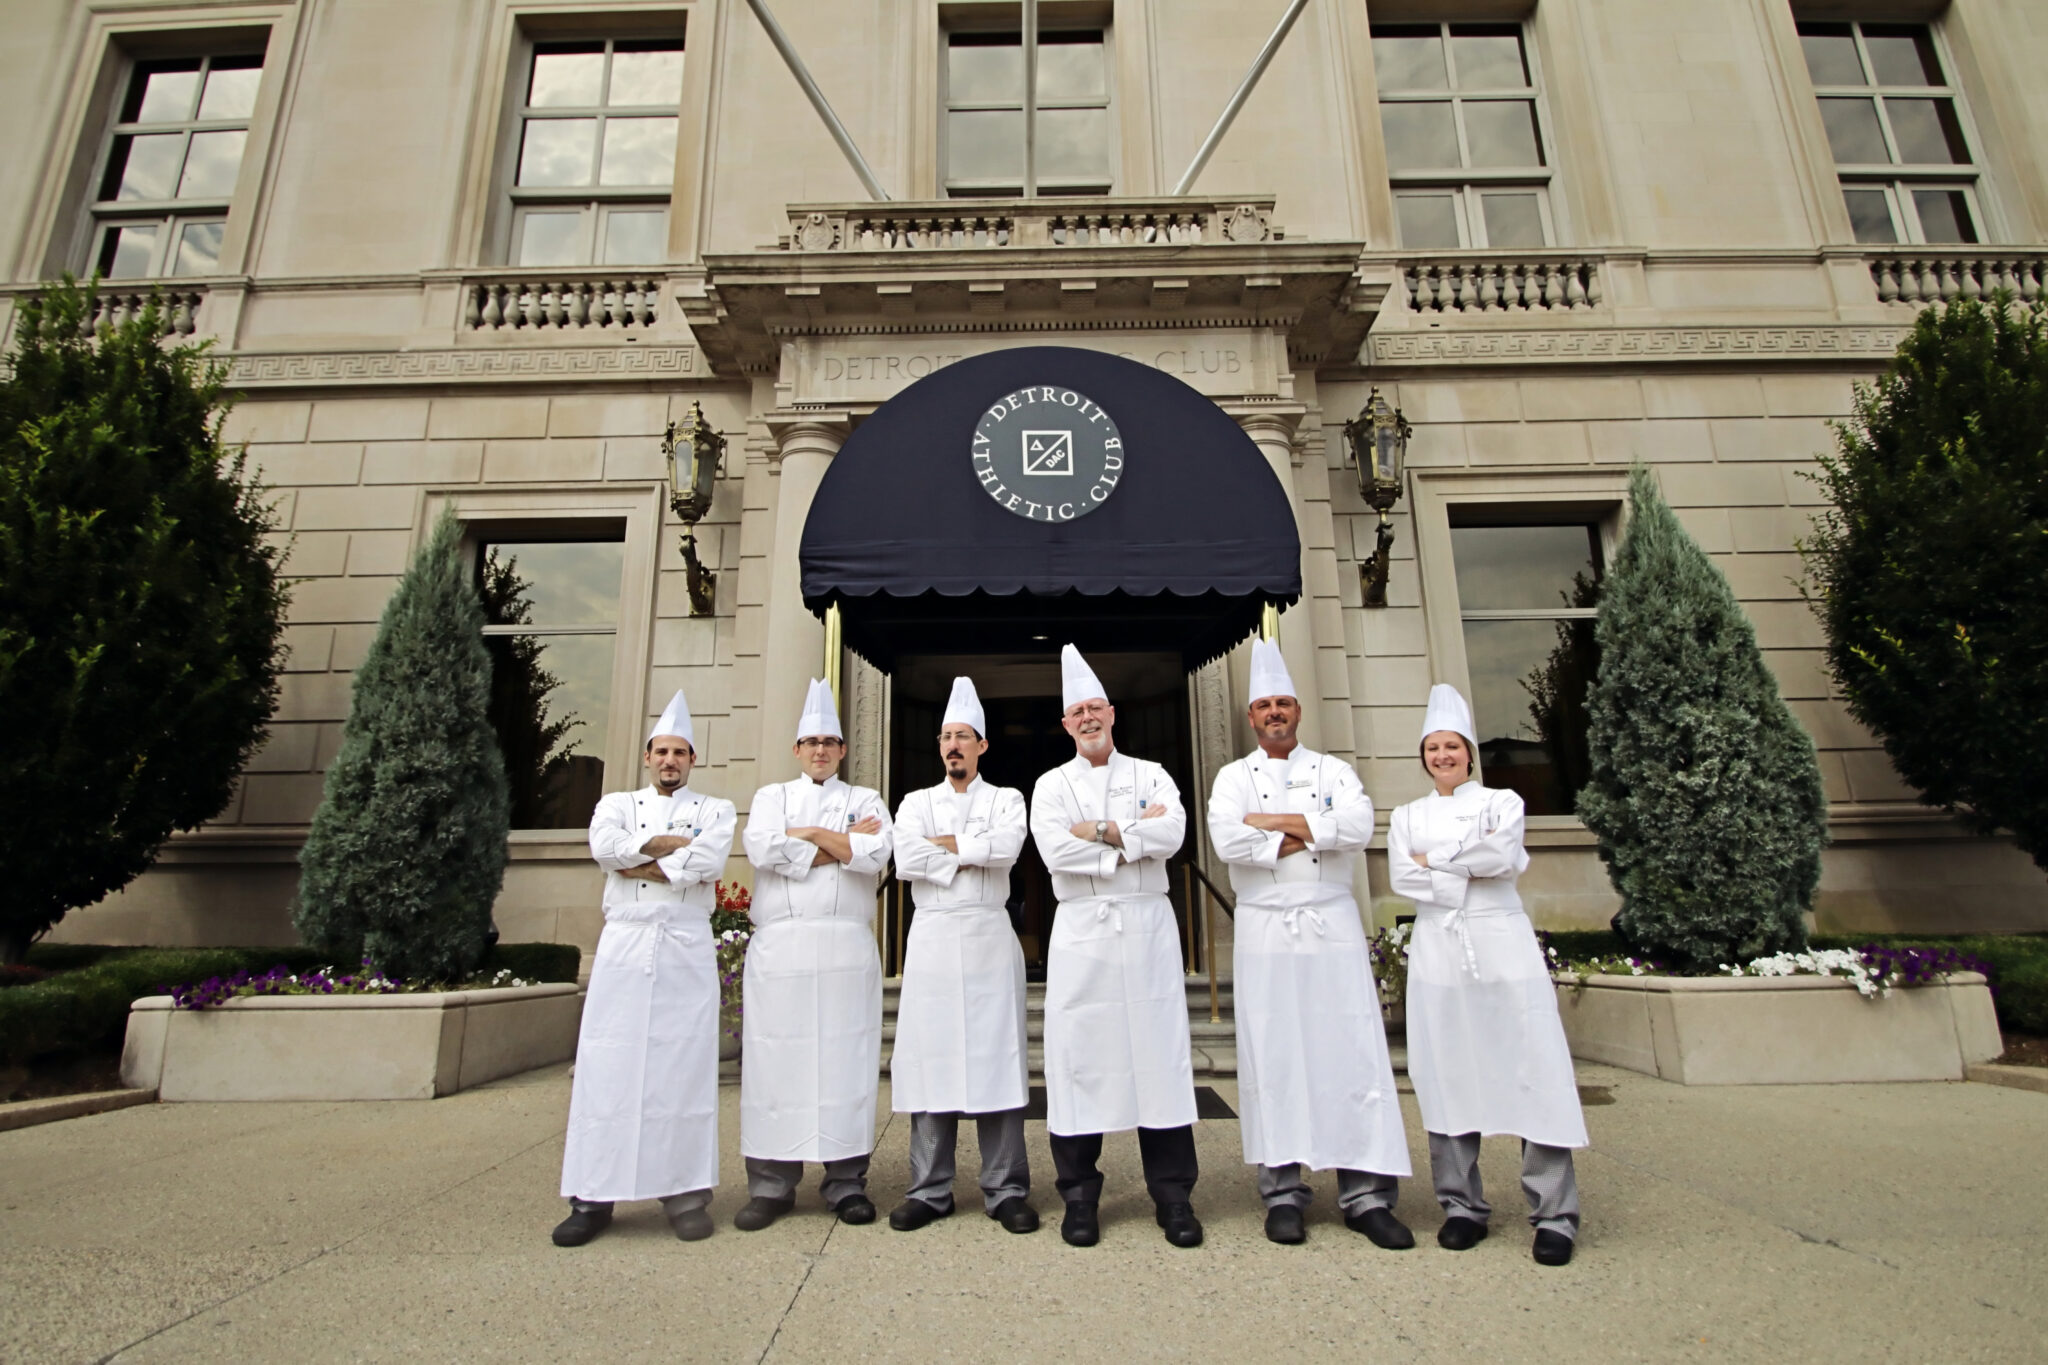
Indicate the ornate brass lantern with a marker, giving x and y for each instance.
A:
(1378, 440)
(693, 450)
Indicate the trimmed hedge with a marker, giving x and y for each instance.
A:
(2018, 962)
(86, 1006)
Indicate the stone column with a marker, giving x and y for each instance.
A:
(1273, 433)
(793, 643)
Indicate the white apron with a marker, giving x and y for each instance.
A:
(1116, 1014)
(643, 1107)
(1486, 1049)
(1315, 1082)
(811, 1026)
(960, 1019)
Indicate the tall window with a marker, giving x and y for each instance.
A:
(170, 166)
(1528, 596)
(597, 152)
(551, 610)
(1461, 112)
(986, 114)
(1895, 124)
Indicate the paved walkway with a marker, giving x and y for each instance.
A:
(1903, 1222)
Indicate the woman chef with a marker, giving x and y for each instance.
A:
(1486, 1049)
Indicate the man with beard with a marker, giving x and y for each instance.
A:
(643, 1108)
(1116, 1016)
(1314, 1082)
(811, 1017)
(960, 1020)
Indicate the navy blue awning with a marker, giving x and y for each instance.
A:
(1195, 539)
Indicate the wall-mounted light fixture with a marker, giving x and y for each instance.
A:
(1378, 440)
(693, 450)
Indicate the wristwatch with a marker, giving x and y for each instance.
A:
(1102, 831)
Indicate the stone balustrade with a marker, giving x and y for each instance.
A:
(1919, 276)
(177, 309)
(1492, 284)
(984, 224)
(559, 303)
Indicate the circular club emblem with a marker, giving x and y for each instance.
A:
(1048, 454)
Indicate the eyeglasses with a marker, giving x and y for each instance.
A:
(820, 742)
(957, 737)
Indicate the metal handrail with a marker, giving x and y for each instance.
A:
(1215, 898)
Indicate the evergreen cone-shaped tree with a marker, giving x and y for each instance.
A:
(1704, 791)
(407, 851)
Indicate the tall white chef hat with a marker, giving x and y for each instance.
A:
(821, 713)
(964, 706)
(1448, 711)
(1077, 680)
(1269, 672)
(675, 720)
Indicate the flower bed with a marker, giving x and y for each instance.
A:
(732, 928)
(1875, 1013)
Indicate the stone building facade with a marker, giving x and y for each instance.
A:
(481, 253)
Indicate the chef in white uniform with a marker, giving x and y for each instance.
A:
(643, 1107)
(1116, 1014)
(1314, 1081)
(811, 1017)
(960, 1020)
(1486, 1049)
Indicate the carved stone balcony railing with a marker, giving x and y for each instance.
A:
(177, 309)
(1918, 276)
(1502, 284)
(560, 302)
(986, 224)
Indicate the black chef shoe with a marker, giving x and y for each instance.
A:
(691, 1225)
(1284, 1225)
(1183, 1229)
(1383, 1229)
(1552, 1248)
(855, 1208)
(1081, 1227)
(758, 1213)
(912, 1214)
(585, 1221)
(1016, 1214)
(1460, 1234)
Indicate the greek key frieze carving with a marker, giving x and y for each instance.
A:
(377, 367)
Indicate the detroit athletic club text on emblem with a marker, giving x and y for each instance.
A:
(1047, 454)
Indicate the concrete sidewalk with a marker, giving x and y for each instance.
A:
(1902, 1222)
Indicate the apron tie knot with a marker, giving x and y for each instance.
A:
(1294, 914)
(1111, 910)
(1455, 921)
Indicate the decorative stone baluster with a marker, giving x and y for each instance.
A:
(1594, 293)
(1468, 292)
(557, 314)
(1574, 286)
(1489, 289)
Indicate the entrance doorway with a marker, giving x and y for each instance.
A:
(1021, 694)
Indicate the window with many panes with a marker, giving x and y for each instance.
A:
(1461, 112)
(172, 157)
(596, 152)
(1895, 123)
(1527, 595)
(986, 151)
(551, 612)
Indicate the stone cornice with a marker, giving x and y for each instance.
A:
(318, 369)
(1606, 345)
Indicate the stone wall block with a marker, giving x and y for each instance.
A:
(1564, 399)
(1873, 778)
(1709, 527)
(1801, 490)
(286, 748)
(282, 798)
(487, 417)
(1802, 673)
(315, 554)
(685, 642)
(1774, 438)
(1768, 528)
(1688, 485)
(267, 423)
(1811, 395)
(543, 461)
(340, 600)
(609, 414)
(1830, 724)
(1489, 400)
(1762, 577)
(313, 696)
(1703, 395)
(1520, 443)
(335, 462)
(1437, 445)
(379, 553)
(356, 509)
(307, 648)
(428, 462)
(1784, 625)
(352, 642)
(1672, 440)
(636, 458)
(369, 419)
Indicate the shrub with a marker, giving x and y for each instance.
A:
(408, 849)
(1704, 791)
(1929, 569)
(141, 610)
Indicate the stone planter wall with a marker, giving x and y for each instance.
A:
(1779, 1030)
(348, 1047)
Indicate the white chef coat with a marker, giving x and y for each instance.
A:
(643, 1106)
(960, 1020)
(1315, 1084)
(1116, 1012)
(811, 1018)
(1486, 1049)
